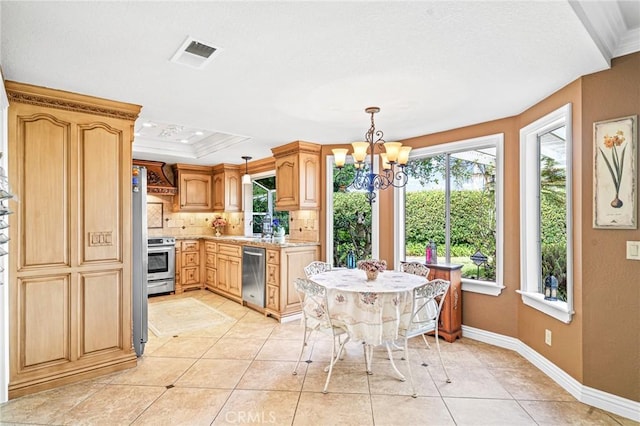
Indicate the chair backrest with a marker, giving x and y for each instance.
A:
(316, 267)
(415, 268)
(314, 304)
(427, 305)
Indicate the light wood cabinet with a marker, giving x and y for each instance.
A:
(70, 237)
(297, 176)
(272, 297)
(229, 270)
(450, 326)
(227, 188)
(210, 264)
(283, 267)
(189, 266)
(195, 188)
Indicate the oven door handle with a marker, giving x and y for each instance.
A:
(161, 249)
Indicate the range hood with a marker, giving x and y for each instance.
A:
(157, 181)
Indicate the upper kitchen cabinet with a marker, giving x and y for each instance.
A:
(297, 176)
(195, 188)
(227, 188)
(70, 237)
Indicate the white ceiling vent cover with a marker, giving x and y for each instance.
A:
(194, 53)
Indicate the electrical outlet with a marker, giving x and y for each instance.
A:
(547, 337)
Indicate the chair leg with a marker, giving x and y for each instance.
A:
(334, 359)
(406, 356)
(305, 340)
(440, 355)
(368, 354)
(425, 341)
(393, 364)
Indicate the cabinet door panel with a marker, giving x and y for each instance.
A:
(218, 191)
(310, 184)
(235, 276)
(286, 182)
(100, 188)
(100, 307)
(43, 144)
(195, 192)
(190, 259)
(223, 272)
(44, 314)
(273, 298)
(273, 274)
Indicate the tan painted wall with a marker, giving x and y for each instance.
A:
(601, 346)
(611, 284)
(566, 351)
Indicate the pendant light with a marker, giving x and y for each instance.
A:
(246, 179)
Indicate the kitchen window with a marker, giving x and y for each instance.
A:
(546, 212)
(262, 202)
(453, 199)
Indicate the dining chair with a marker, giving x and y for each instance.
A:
(316, 317)
(425, 319)
(417, 268)
(316, 267)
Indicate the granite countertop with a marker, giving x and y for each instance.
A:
(249, 241)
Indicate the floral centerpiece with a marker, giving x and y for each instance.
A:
(218, 223)
(616, 165)
(372, 267)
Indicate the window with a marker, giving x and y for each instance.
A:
(454, 199)
(545, 222)
(263, 206)
(351, 221)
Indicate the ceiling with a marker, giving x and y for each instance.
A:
(286, 71)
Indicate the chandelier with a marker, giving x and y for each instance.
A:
(394, 160)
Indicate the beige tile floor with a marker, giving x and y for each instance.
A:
(240, 373)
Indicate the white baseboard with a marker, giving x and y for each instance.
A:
(594, 397)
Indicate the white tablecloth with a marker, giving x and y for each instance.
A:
(372, 311)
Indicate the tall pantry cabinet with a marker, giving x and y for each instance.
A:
(70, 248)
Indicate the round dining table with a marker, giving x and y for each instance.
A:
(372, 312)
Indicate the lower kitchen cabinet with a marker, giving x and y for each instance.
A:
(189, 275)
(282, 270)
(229, 271)
(210, 265)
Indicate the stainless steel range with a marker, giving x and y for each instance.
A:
(161, 269)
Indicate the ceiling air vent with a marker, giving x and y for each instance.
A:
(194, 53)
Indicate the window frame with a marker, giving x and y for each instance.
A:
(497, 140)
(375, 214)
(530, 210)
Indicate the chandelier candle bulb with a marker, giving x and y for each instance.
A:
(393, 149)
(385, 162)
(403, 155)
(340, 156)
(359, 151)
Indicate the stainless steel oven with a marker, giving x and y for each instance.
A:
(161, 264)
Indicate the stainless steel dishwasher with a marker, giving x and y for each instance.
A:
(253, 275)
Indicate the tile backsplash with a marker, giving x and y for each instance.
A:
(303, 224)
(177, 224)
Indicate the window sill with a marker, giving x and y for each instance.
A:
(482, 287)
(558, 310)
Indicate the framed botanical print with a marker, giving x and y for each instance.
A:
(615, 173)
